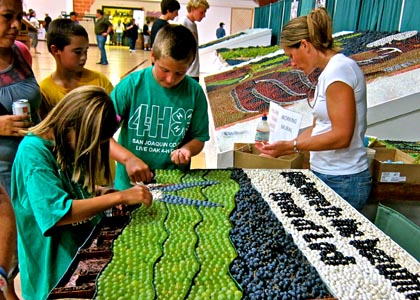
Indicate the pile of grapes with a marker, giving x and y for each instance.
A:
(269, 265)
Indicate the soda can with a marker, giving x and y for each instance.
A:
(22, 107)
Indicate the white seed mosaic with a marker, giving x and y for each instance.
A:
(349, 259)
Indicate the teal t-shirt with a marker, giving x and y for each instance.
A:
(157, 120)
(41, 195)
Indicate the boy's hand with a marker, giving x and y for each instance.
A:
(12, 125)
(137, 170)
(181, 156)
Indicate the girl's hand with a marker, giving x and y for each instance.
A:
(136, 195)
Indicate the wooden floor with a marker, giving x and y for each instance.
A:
(121, 63)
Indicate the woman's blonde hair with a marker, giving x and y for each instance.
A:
(316, 28)
(88, 112)
(197, 4)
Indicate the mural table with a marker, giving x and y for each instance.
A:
(241, 234)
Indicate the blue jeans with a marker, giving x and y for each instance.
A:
(119, 37)
(132, 43)
(101, 45)
(354, 188)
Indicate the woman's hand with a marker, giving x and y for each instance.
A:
(136, 195)
(12, 125)
(276, 149)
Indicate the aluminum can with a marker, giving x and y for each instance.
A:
(22, 107)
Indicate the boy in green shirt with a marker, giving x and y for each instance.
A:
(163, 112)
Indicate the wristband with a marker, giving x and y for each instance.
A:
(295, 148)
(3, 280)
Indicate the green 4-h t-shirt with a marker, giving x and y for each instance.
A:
(157, 120)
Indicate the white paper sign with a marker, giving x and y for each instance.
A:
(392, 177)
(284, 123)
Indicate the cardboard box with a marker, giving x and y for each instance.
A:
(376, 144)
(401, 167)
(370, 156)
(246, 156)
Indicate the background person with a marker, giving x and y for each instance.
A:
(102, 29)
(220, 32)
(119, 31)
(164, 113)
(64, 152)
(132, 33)
(33, 33)
(169, 10)
(146, 36)
(47, 21)
(196, 12)
(335, 141)
(73, 16)
(111, 33)
(7, 245)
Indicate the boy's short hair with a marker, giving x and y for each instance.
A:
(73, 13)
(169, 5)
(175, 41)
(197, 4)
(61, 31)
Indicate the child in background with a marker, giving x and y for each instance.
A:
(146, 36)
(119, 30)
(196, 12)
(163, 111)
(68, 43)
(169, 10)
(64, 153)
(33, 33)
(73, 16)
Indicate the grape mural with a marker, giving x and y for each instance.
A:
(246, 91)
(275, 234)
(181, 249)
